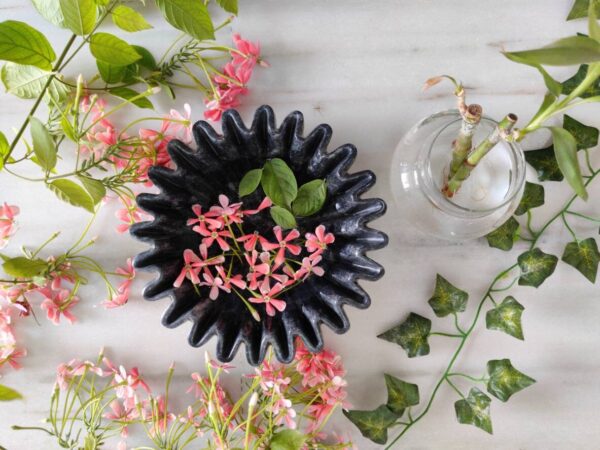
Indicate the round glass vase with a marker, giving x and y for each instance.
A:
(486, 199)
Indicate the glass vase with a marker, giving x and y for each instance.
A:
(484, 202)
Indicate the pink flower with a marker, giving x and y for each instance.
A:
(267, 296)
(129, 215)
(256, 270)
(119, 413)
(7, 222)
(249, 240)
(229, 213)
(126, 383)
(319, 241)
(204, 219)
(9, 353)
(211, 236)
(191, 268)
(74, 368)
(309, 265)
(177, 122)
(122, 296)
(265, 203)
(247, 52)
(215, 283)
(160, 417)
(282, 244)
(228, 280)
(57, 303)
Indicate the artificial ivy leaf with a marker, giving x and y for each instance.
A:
(505, 235)
(535, 267)
(29, 81)
(50, 10)
(147, 59)
(70, 192)
(4, 149)
(191, 17)
(580, 9)
(544, 162)
(250, 182)
(128, 19)
(43, 144)
(310, 199)
(94, 187)
(505, 380)
(7, 394)
(79, 15)
(585, 136)
(564, 52)
(475, 410)
(279, 183)
(533, 196)
(584, 257)
(506, 317)
(373, 424)
(287, 440)
(411, 335)
(569, 85)
(129, 94)
(447, 298)
(113, 50)
(229, 5)
(282, 217)
(23, 44)
(23, 267)
(565, 150)
(401, 394)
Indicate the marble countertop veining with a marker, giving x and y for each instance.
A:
(359, 66)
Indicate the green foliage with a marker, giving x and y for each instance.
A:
(279, 183)
(506, 317)
(447, 298)
(475, 410)
(504, 380)
(112, 50)
(93, 187)
(23, 267)
(505, 235)
(250, 182)
(310, 199)
(4, 149)
(70, 192)
(580, 9)
(229, 5)
(44, 147)
(190, 17)
(564, 52)
(412, 335)
(287, 440)
(134, 97)
(128, 19)
(585, 136)
(79, 15)
(282, 217)
(544, 162)
(584, 256)
(565, 150)
(569, 85)
(535, 267)
(373, 424)
(7, 394)
(50, 10)
(23, 44)
(401, 394)
(147, 60)
(533, 196)
(110, 73)
(29, 81)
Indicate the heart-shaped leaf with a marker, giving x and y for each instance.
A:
(565, 150)
(584, 257)
(585, 136)
(533, 196)
(535, 267)
(475, 410)
(7, 394)
(283, 217)
(447, 298)
(544, 162)
(412, 335)
(401, 394)
(310, 198)
(505, 235)
(112, 50)
(569, 85)
(373, 424)
(505, 380)
(23, 267)
(23, 44)
(250, 182)
(506, 317)
(279, 183)
(44, 147)
(564, 52)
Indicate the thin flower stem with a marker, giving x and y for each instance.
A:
(468, 377)
(439, 333)
(460, 330)
(568, 227)
(453, 386)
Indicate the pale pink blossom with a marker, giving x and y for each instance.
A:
(7, 222)
(283, 244)
(177, 122)
(267, 296)
(201, 220)
(58, 303)
(229, 212)
(215, 284)
(129, 215)
(319, 241)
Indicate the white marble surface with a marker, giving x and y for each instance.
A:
(359, 66)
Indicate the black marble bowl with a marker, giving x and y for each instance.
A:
(216, 167)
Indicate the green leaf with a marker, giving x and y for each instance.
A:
(411, 335)
(310, 199)
(401, 394)
(279, 183)
(29, 81)
(535, 267)
(506, 317)
(79, 15)
(584, 257)
(553, 86)
(23, 44)
(505, 380)
(191, 17)
(229, 5)
(564, 52)
(4, 149)
(283, 217)
(593, 28)
(533, 196)
(23, 267)
(7, 394)
(128, 94)
(373, 424)
(287, 440)
(544, 162)
(110, 73)
(50, 10)
(585, 136)
(113, 50)
(580, 9)
(70, 192)
(250, 182)
(505, 235)
(94, 187)
(447, 298)
(569, 85)
(475, 410)
(44, 147)
(565, 150)
(128, 19)
(147, 59)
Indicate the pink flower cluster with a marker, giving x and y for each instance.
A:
(9, 352)
(232, 83)
(7, 222)
(121, 296)
(270, 266)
